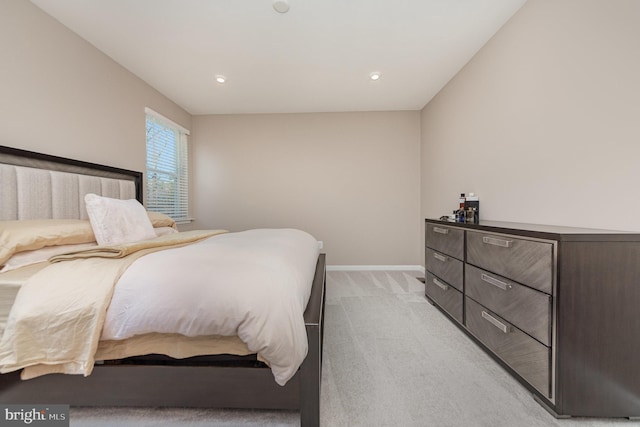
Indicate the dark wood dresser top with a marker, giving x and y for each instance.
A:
(542, 231)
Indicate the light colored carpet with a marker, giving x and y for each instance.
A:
(390, 359)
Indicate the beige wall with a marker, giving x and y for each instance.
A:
(60, 95)
(350, 179)
(544, 122)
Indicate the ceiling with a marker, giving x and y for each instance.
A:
(317, 57)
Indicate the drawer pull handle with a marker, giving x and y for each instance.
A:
(440, 257)
(497, 242)
(440, 285)
(441, 230)
(495, 282)
(495, 322)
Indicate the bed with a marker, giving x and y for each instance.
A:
(216, 380)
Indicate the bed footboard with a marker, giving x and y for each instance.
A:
(311, 370)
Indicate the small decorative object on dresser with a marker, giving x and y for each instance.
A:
(556, 306)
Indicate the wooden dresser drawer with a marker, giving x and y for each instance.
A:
(521, 352)
(446, 296)
(449, 269)
(526, 308)
(526, 261)
(445, 239)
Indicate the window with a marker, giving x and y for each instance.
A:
(167, 175)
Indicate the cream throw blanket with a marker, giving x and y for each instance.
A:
(71, 299)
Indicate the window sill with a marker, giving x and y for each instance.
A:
(185, 221)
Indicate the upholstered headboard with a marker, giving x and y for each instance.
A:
(40, 186)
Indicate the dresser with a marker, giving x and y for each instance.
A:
(557, 307)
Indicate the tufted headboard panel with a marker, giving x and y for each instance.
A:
(38, 186)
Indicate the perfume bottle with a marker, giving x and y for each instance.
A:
(460, 214)
(472, 204)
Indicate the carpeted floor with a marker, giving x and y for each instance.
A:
(390, 359)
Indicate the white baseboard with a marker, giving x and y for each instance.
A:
(375, 268)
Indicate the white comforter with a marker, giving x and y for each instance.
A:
(254, 284)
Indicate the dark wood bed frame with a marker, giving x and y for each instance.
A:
(177, 383)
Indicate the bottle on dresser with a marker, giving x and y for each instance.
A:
(460, 214)
(472, 208)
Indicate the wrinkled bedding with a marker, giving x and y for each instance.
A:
(253, 285)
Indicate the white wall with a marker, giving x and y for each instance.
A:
(60, 95)
(544, 122)
(350, 179)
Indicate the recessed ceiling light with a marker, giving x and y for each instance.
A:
(221, 79)
(281, 6)
(374, 76)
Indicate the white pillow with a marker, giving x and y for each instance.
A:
(116, 221)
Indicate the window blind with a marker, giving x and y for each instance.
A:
(167, 177)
